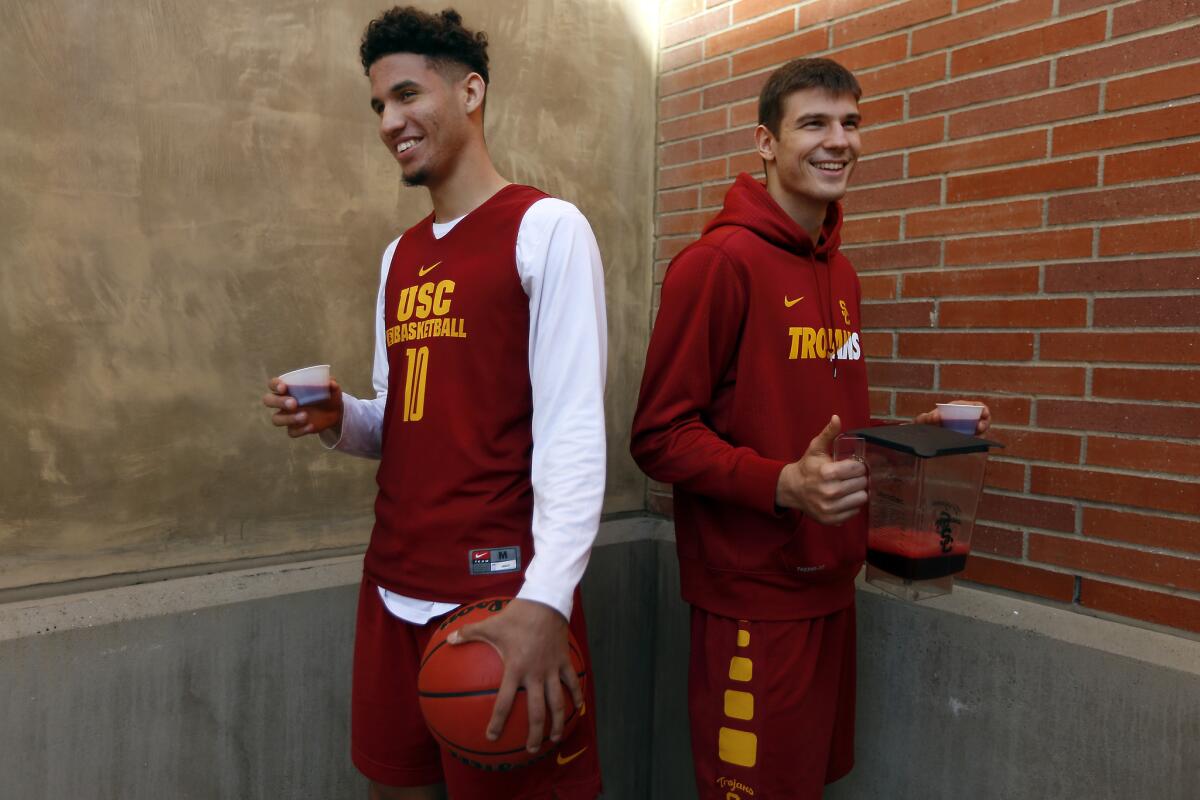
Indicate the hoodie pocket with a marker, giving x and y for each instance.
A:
(820, 553)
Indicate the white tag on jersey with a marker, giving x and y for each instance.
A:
(495, 560)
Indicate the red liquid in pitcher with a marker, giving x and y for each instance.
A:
(914, 555)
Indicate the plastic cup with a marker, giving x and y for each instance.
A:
(961, 417)
(308, 385)
(850, 448)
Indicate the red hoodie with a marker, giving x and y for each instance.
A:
(738, 381)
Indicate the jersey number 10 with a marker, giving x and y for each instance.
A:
(414, 383)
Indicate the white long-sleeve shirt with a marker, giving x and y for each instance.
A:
(559, 266)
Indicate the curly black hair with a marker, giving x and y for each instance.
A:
(439, 37)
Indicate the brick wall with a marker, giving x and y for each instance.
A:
(1026, 224)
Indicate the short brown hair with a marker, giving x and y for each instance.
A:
(799, 74)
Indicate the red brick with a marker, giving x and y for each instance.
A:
(1155, 87)
(680, 57)
(1044, 41)
(878, 344)
(1121, 204)
(884, 110)
(941, 283)
(1006, 149)
(825, 10)
(896, 315)
(1144, 455)
(1154, 531)
(1025, 379)
(747, 9)
(1009, 83)
(873, 54)
(669, 248)
(724, 143)
(1127, 57)
(1037, 178)
(675, 10)
(1119, 130)
(714, 194)
(1139, 348)
(1048, 245)
(692, 173)
(902, 136)
(967, 5)
(871, 229)
(678, 105)
(910, 194)
(1001, 542)
(1173, 311)
(1037, 445)
(1152, 14)
(880, 401)
(887, 19)
(1027, 512)
(777, 53)
(1124, 275)
(965, 28)
(1151, 237)
(1146, 384)
(679, 153)
(746, 162)
(1007, 475)
(878, 287)
(678, 200)
(1119, 562)
(745, 35)
(684, 127)
(1012, 410)
(689, 222)
(900, 374)
(1064, 313)
(967, 346)
(693, 77)
(904, 255)
(1108, 487)
(734, 90)
(1127, 601)
(743, 114)
(974, 219)
(878, 170)
(911, 73)
(1158, 162)
(694, 28)
(1136, 418)
(1013, 114)
(1020, 578)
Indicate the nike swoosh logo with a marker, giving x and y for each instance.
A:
(423, 270)
(568, 759)
(790, 303)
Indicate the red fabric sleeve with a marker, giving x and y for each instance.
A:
(694, 342)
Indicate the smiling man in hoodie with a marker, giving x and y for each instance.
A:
(755, 365)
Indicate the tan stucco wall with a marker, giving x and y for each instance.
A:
(194, 199)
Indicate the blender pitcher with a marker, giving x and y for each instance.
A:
(925, 484)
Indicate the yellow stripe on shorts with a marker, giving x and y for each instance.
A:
(737, 747)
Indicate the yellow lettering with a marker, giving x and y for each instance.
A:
(806, 346)
(424, 300)
(845, 311)
(405, 309)
(794, 333)
(441, 302)
(821, 350)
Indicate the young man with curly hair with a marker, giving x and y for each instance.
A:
(488, 420)
(755, 365)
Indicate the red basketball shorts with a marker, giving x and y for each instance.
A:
(771, 705)
(390, 744)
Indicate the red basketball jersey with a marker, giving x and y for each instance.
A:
(455, 503)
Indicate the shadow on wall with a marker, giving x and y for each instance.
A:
(195, 200)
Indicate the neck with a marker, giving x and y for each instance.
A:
(472, 180)
(807, 212)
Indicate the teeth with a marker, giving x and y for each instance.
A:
(829, 165)
(407, 144)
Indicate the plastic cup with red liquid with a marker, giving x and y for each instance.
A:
(308, 385)
(961, 417)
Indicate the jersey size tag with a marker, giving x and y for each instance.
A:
(496, 560)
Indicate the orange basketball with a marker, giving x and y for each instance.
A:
(457, 689)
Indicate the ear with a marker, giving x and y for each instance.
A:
(473, 92)
(764, 142)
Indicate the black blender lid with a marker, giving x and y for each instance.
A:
(925, 441)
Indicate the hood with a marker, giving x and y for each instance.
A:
(748, 205)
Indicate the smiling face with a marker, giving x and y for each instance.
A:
(424, 117)
(817, 147)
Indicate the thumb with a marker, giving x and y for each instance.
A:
(469, 633)
(822, 443)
